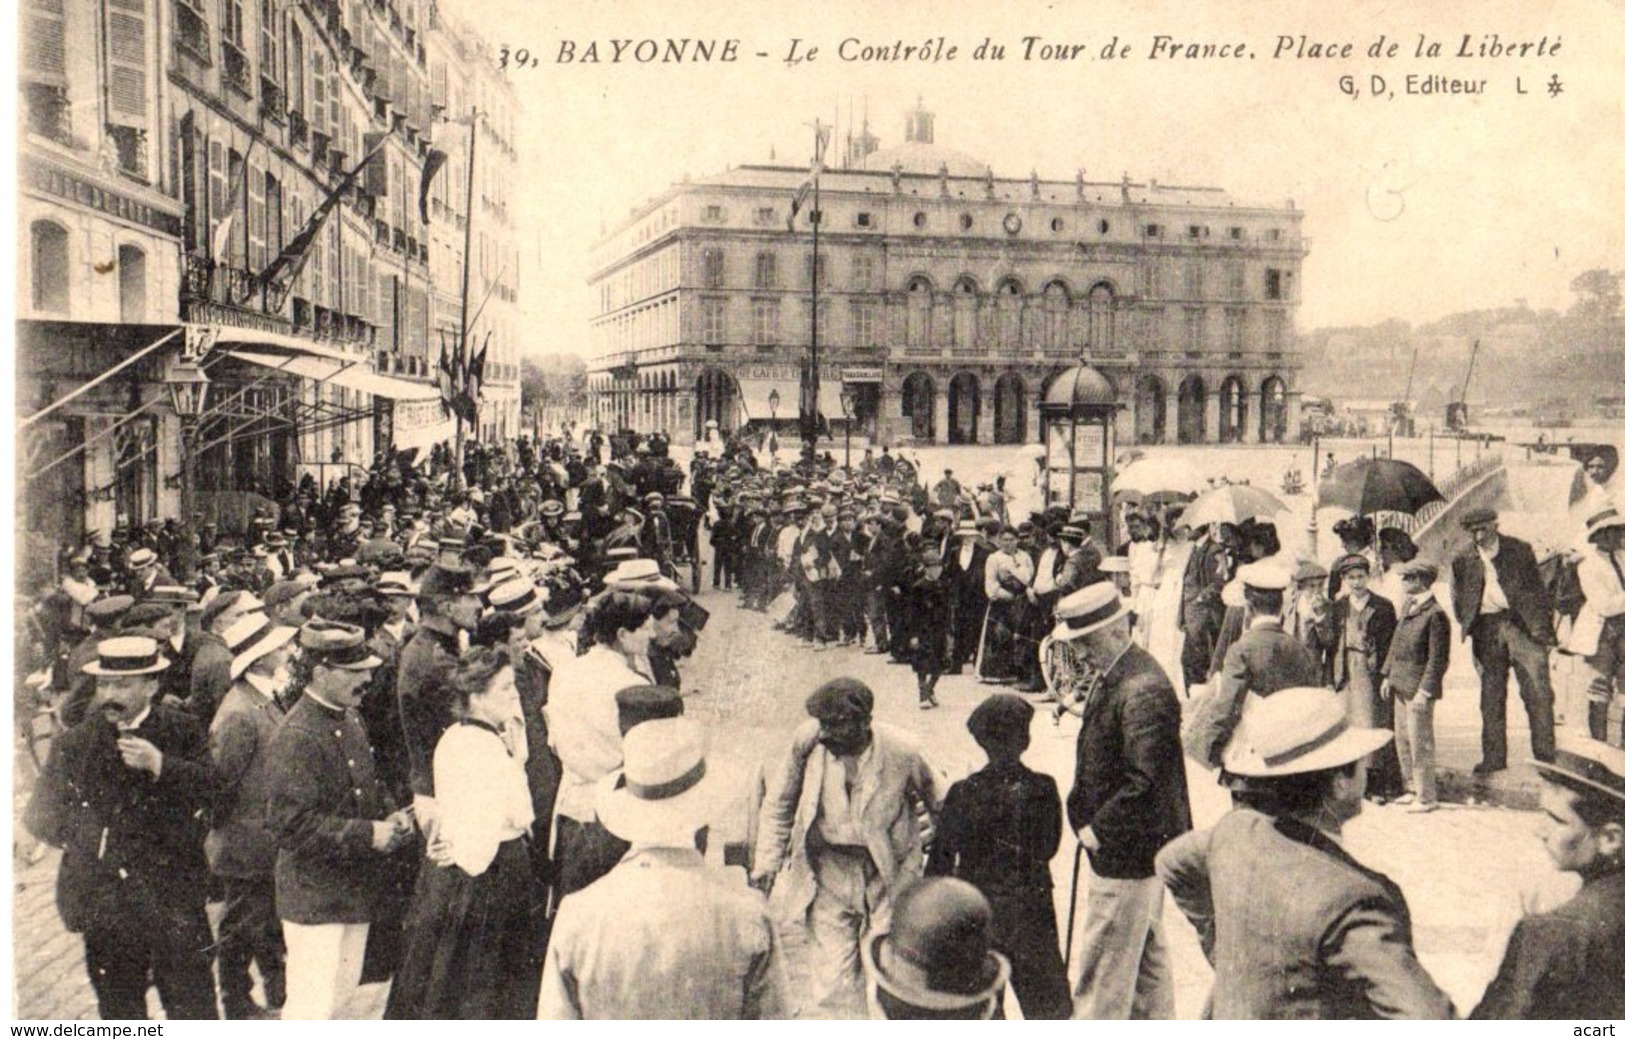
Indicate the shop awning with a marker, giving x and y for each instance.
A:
(754, 393)
(350, 373)
(407, 435)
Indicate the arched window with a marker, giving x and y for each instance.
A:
(50, 266)
(965, 303)
(132, 285)
(1102, 319)
(919, 313)
(1056, 305)
(1009, 306)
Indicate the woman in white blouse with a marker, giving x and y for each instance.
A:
(469, 949)
(583, 726)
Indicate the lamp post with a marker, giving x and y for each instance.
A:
(188, 392)
(846, 415)
(773, 425)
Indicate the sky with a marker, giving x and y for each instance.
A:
(1417, 205)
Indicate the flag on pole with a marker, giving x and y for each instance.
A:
(287, 265)
(800, 197)
(431, 165)
(443, 376)
(473, 379)
(220, 246)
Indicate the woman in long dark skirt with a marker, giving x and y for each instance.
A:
(469, 952)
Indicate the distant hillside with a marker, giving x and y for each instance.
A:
(1526, 357)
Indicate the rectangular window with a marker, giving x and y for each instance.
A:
(863, 273)
(1193, 329)
(1193, 231)
(1193, 280)
(296, 70)
(1153, 279)
(822, 270)
(127, 63)
(1153, 230)
(1236, 234)
(1273, 284)
(864, 325)
(764, 324)
(713, 214)
(823, 321)
(767, 271)
(1274, 234)
(1234, 322)
(764, 215)
(270, 29)
(231, 22)
(1235, 280)
(866, 220)
(712, 313)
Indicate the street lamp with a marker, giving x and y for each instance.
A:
(846, 414)
(773, 426)
(188, 393)
(773, 406)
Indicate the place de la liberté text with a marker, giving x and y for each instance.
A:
(1294, 47)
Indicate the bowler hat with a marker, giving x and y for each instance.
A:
(937, 960)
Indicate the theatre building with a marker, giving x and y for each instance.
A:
(947, 298)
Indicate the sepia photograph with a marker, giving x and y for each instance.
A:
(639, 510)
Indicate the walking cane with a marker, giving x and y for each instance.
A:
(1072, 908)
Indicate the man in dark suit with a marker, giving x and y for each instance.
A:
(448, 606)
(334, 824)
(1201, 611)
(599, 503)
(1128, 799)
(1293, 925)
(1263, 660)
(965, 571)
(1503, 606)
(125, 795)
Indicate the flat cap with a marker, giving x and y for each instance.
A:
(442, 579)
(109, 610)
(1352, 561)
(1420, 568)
(1479, 516)
(637, 704)
(839, 699)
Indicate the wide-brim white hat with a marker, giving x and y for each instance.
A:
(1298, 730)
(253, 637)
(1087, 610)
(665, 792)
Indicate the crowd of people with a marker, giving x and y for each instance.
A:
(426, 724)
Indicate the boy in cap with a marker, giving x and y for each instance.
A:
(1413, 681)
(1363, 625)
(924, 635)
(999, 829)
(1567, 963)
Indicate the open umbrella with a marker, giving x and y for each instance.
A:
(1153, 476)
(1232, 503)
(1368, 485)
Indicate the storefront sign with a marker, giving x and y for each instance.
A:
(851, 374)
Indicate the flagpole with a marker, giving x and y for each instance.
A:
(817, 218)
(468, 248)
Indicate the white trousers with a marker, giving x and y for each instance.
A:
(324, 968)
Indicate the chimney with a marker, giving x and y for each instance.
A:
(920, 123)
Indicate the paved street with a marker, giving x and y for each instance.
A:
(1462, 869)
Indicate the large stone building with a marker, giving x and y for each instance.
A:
(947, 298)
(172, 150)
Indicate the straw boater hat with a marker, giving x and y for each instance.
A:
(143, 557)
(1088, 609)
(395, 583)
(639, 575)
(253, 636)
(126, 655)
(662, 795)
(937, 959)
(516, 596)
(1294, 731)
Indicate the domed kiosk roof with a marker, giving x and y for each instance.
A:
(1080, 385)
(922, 157)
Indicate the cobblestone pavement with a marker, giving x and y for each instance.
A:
(1463, 869)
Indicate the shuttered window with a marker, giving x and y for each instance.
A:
(318, 92)
(217, 187)
(256, 219)
(270, 36)
(234, 186)
(126, 62)
(45, 53)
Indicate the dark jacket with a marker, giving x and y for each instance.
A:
(240, 844)
(1262, 661)
(1377, 621)
(1419, 653)
(1568, 964)
(211, 676)
(324, 797)
(1210, 567)
(1527, 599)
(924, 613)
(1081, 569)
(426, 701)
(1130, 780)
(132, 845)
(1294, 927)
(998, 830)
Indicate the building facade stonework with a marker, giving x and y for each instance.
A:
(947, 298)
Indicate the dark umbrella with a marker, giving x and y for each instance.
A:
(1369, 485)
